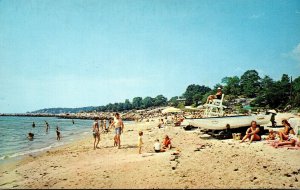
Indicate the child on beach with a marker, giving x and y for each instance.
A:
(157, 147)
(57, 134)
(271, 135)
(140, 142)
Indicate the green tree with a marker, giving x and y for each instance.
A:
(296, 92)
(160, 100)
(147, 102)
(250, 83)
(127, 105)
(192, 90)
(232, 86)
(137, 102)
(173, 101)
(266, 95)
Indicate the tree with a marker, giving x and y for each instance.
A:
(160, 100)
(147, 102)
(296, 92)
(192, 90)
(266, 95)
(173, 101)
(250, 84)
(127, 105)
(232, 86)
(197, 99)
(137, 102)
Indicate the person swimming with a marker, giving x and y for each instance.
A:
(30, 136)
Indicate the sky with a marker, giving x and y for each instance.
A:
(59, 53)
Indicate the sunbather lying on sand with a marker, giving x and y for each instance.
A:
(292, 141)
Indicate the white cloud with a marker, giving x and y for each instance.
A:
(257, 16)
(294, 54)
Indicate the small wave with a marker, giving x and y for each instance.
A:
(26, 152)
(3, 157)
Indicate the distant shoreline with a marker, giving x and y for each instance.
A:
(62, 116)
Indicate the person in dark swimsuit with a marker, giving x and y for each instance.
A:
(30, 136)
(284, 134)
(252, 133)
(217, 96)
(57, 134)
(33, 125)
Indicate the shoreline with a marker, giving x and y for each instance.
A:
(218, 164)
(64, 116)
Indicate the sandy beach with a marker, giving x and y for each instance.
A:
(201, 163)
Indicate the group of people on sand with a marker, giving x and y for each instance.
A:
(166, 144)
(116, 123)
(287, 135)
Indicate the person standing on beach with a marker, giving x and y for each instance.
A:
(140, 142)
(119, 127)
(96, 134)
(102, 125)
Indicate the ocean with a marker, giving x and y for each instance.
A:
(14, 131)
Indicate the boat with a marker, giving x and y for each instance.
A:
(219, 123)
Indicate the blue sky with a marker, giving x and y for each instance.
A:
(90, 53)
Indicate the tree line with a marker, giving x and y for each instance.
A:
(265, 91)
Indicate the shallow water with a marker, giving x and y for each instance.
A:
(14, 131)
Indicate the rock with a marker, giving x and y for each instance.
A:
(265, 167)
(287, 175)
(236, 169)
(296, 179)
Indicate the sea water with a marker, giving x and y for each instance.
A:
(14, 131)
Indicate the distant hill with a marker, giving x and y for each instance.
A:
(65, 110)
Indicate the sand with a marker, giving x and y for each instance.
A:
(201, 163)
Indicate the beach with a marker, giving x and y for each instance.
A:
(199, 163)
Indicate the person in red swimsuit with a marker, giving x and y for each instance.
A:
(167, 142)
(252, 133)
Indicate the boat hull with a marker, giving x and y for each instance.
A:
(220, 123)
